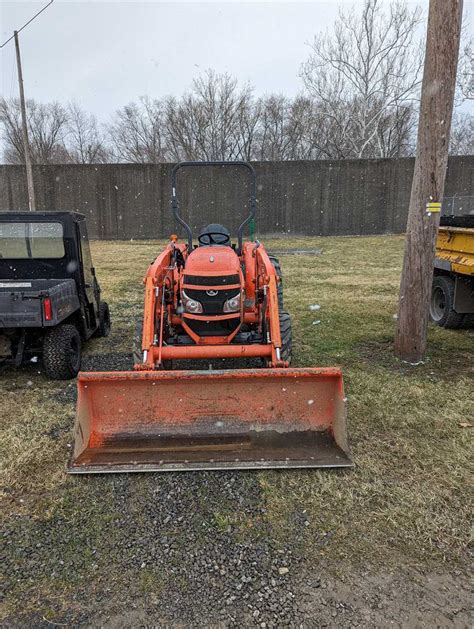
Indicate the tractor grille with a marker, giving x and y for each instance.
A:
(212, 327)
(204, 280)
(212, 304)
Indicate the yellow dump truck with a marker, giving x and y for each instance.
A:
(452, 295)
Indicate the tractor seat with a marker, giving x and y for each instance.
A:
(214, 234)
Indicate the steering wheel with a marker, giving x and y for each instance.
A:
(213, 238)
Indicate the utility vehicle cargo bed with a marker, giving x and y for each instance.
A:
(21, 302)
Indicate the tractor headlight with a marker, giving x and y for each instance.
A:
(233, 304)
(191, 305)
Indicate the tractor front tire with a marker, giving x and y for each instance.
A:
(442, 303)
(137, 343)
(104, 320)
(286, 338)
(62, 352)
(277, 266)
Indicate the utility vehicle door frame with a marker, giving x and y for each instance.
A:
(87, 270)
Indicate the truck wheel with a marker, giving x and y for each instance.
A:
(104, 320)
(62, 352)
(442, 301)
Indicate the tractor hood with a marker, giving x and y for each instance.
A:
(213, 261)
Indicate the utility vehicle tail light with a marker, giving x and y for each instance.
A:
(47, 309)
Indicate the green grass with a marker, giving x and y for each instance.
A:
(408, 493)
(407, 499)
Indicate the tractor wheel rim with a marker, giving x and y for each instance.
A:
(438, 304)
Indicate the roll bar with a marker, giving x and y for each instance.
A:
(175, 204)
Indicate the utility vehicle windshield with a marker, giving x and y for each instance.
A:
(31, 240)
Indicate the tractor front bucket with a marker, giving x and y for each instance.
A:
(138, 421)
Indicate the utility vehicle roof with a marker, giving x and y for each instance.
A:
(7, 215)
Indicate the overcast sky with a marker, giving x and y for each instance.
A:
(105, 54)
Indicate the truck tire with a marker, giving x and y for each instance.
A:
(442, 301)
(277, 266)
(62, 352)
(286, 337)
(104, 320)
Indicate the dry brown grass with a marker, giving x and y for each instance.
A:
(407, 500)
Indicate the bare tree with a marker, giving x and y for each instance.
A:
(85, 143)
(284, 128)
(137, 133)
(215, 121)
(465, 75)
(396, 132)
(363, 76)
(46, 127)
(462, 134)
(11, 131)
(462, 126)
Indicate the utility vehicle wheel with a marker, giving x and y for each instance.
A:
(104, 320)
(62, 352)
(442, 301)
(137, 347)
(286, 339)
(276, 265)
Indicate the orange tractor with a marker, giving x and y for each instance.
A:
(212, 301)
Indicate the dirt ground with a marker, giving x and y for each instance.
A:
(384, 544)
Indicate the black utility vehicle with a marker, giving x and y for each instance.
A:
(49, 294)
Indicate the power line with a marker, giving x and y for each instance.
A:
(29, 22)
(24, 123)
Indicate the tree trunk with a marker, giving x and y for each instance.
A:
(436, 107)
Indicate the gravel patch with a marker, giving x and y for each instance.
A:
(188, 550)
(193, 546)
(189, 546)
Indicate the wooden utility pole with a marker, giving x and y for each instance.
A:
(24, 125)
(436, 108)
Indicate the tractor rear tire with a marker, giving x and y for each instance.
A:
(286, 337)
(62, 352)
(104, 320)
(277, 266)
(442, 303)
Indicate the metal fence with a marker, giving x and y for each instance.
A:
(458, 205)
(314, 198)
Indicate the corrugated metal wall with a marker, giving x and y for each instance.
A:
(123, 201)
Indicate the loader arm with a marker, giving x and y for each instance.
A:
(155, 284)
(267, 279)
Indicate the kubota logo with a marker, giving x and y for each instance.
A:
(211, 293)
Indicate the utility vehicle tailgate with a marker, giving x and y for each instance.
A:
(21, 302)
